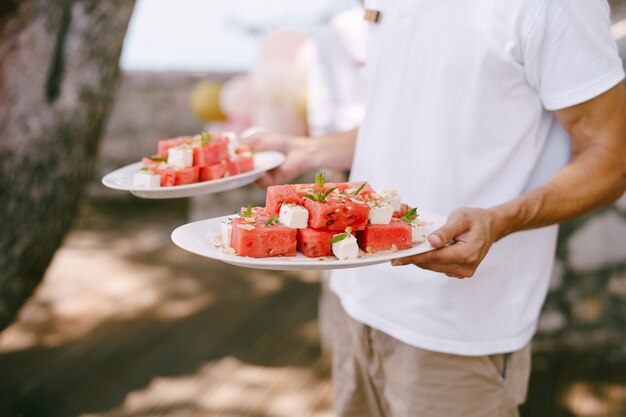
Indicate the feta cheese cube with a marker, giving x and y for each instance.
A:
(232, 150)
(392, 197)
(418, 233)
(146, 179)
(293, 216)
(346, 248)
(226, 232)
(180, 156)
(380, 212)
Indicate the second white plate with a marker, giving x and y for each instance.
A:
(199, 238)
(122, 179)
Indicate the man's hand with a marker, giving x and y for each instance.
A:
(298, 152)
(334, 151)
(462, 244)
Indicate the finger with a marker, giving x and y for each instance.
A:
(276, 176)
(453, 254)
(250, 132)
(273, 177)
(451, 270)
(264, 181)
(455, 226)
(256, 141)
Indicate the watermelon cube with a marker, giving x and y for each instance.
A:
(351, 186)
(232, 167)
(315, 242)
(338, 212)
(167, 173)
(245, 163)
(257, 240)
(403, 209)
(241, 149)
(258, 213)
(212, 153)
(213, 172)
(279, 194)
(153, 160)
(379, 237)
(166, 144)
(184, 176)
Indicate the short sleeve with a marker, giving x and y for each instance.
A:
(570, 55)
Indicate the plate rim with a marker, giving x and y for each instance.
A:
(280, 159)
(285, 263)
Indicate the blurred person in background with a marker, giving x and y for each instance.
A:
(336, 79)
(508, 117)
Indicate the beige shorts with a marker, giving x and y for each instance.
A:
(375, 375)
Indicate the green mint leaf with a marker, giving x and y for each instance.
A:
(158, 158)
(339, 237)
(272, 220)
(144, 169)
(358, 190)
(206, 138)
(409, 215)
(310, 197)
(249, 210)
(320, 178)
(323, 196)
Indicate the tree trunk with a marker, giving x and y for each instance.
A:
(58, 72)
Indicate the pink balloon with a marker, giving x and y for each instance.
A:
(281, 46)
(237, 97)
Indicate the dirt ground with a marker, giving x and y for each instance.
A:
(125, 324)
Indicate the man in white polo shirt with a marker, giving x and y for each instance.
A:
(510, 118)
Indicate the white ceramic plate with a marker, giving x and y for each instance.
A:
(122, 179)
(199, 238)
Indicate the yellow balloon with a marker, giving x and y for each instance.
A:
(204, 101)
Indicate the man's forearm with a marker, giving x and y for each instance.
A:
(595, 176)
(588, 182)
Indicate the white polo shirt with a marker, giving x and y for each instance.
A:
(459, 113)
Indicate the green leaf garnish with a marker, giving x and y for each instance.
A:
(319, 195)
(320, 178)
(358, 190)
(272, 220)
(158, 158)
(409, 215)
(326, 194)
(339, 237)
(144, 169)
(249, 210)
(206, 137)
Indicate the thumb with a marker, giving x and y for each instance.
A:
(256, 141)
(455, 226)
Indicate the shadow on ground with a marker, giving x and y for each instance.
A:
(126, 324)
(236, 317)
